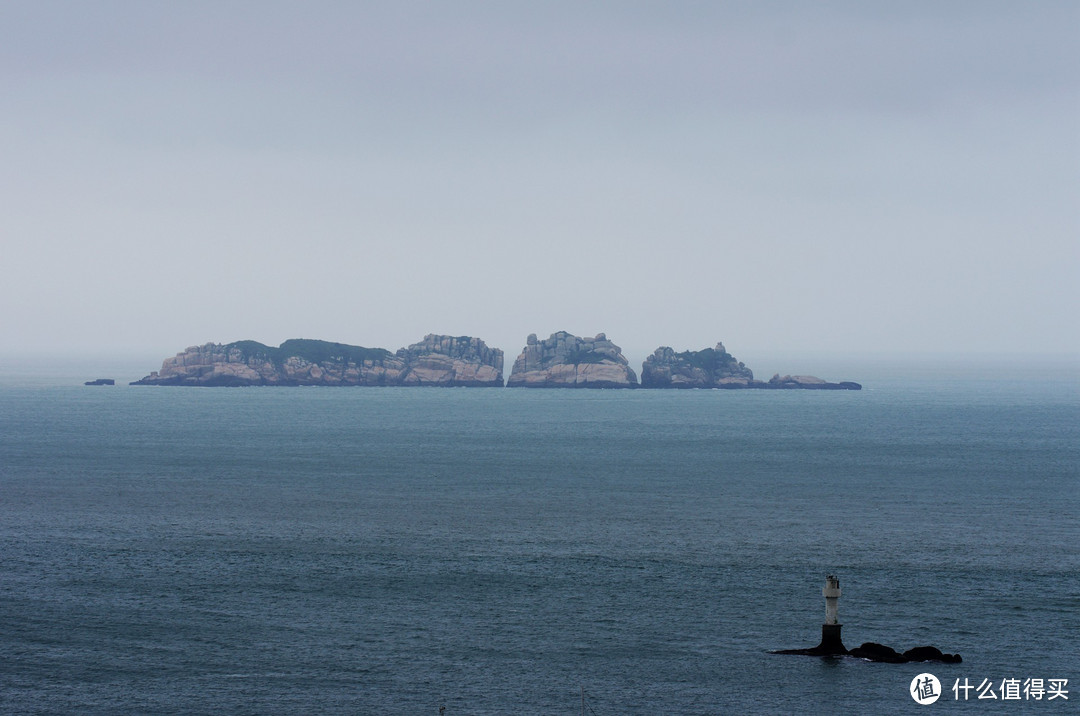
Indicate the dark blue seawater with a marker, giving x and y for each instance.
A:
(392, 551)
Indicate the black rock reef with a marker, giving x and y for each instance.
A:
(872, 651)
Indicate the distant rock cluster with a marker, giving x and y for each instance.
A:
(436, 360)
(452, 361)
(707, 368)
(561, 361)
(566, 361)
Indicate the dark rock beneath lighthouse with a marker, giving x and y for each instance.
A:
(831, 644)
(872, 651)
(931, 653)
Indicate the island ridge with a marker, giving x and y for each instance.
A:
(563, 360)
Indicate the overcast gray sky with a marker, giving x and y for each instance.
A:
(789, 176)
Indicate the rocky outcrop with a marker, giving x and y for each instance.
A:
(708, 368)
(567, 361)
(808, 382)
(452, 361)
(930, 653)
(561, 361)
(437, 360)
(716, 368)
(872, 651)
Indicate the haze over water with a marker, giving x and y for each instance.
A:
(883, 193)
(781, 176)
(396, 550)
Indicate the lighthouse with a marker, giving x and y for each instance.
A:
(830, 630)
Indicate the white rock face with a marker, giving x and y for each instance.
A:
(437, 361)
(567, 361)
(561, 361)
(214, 363)
(452, 361)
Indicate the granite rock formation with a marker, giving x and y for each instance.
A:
(437, 360)
(452, 361)
(561, 361)
(716, 368)
(708, 368)
(568, 361)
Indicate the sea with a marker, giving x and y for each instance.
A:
(170, 550)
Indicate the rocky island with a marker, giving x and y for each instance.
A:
(452, 361)
(716, 368)
(568, 361)
(832, 645)
(872, 651)
(707, 368)
(561, 361)
(448, 361)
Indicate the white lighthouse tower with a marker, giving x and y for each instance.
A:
(830, 630)
(831, 592)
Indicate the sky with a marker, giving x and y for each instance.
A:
(837, 177)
